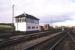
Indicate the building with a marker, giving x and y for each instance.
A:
(46, 27)
(26, 22)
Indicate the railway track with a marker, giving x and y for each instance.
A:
(61, 39)
(64, 41)
(20, 38)
(67, 44)
(27, 44)
(72, 44)
(48, 44)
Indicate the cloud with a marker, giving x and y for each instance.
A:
(44, 7)
(49, 11)
(5, 11)
(56, 18)
(65, 23)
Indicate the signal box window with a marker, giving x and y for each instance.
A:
(29, 27)
(36, 27)
(33, 27)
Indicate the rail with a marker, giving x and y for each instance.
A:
(21, 38)
(57, 42)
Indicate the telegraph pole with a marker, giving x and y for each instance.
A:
(12, 13)
(13, 17)
(51, 20)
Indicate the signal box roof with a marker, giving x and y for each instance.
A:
(27, 16)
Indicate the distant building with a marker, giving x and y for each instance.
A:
(46, 27)
(26, 22)
(41, 28)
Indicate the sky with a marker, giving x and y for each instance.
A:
(55, 12)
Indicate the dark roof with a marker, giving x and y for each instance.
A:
(26, 15)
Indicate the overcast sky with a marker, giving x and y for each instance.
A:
(56, 12)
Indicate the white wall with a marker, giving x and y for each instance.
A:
(31, 25)
(24, 26)
(20, 26)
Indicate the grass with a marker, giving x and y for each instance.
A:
(6, 27)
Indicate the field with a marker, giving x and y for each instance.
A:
(6, 27)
